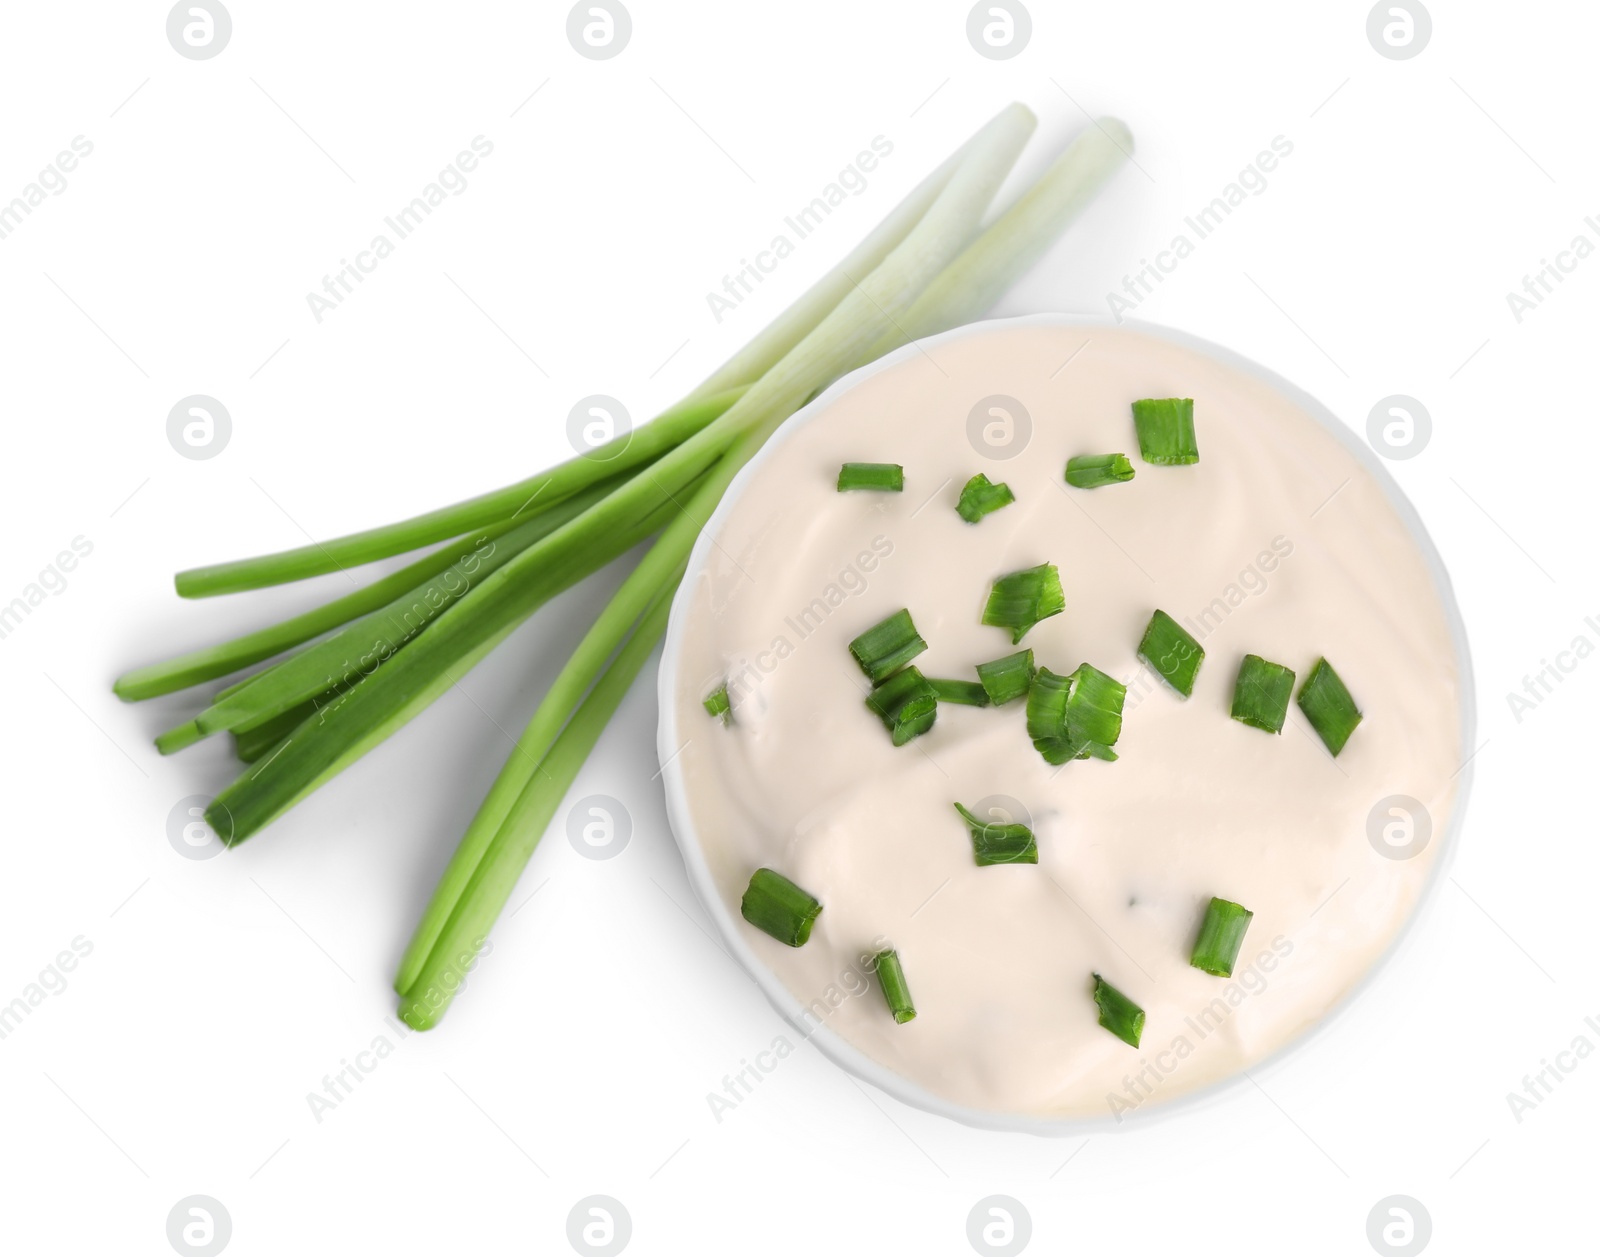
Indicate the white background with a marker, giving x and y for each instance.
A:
(220, 992)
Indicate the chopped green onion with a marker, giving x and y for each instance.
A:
(1328, 706)
(1007, 678)
(888, 646)
(1118, 1013)
(776, 906)
(1221, 936)
(1077, 716)
(1172, 652)
(1090, 471)
(906, 704)
(1020, 600)
(979, 498)
(893, 980)
(1047, 715)
(717, 704)
(1166, 430)
(1000, 842)
(1094, 709)
(888, 477)
(965, 693)
(1057, 750)
(1047, 704)
(1261, 694)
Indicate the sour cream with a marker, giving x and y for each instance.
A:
(1279, 543)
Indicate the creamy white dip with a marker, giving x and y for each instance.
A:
(1278, 543)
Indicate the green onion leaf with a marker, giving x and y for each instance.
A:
(906, 704)
(1328, 706)
(1020, 600)
(888, 646)
(1090, 471)
(888, 477)
(965, 693)
(1077, 716)
(179, 737)
(625, 453)
(979, 498)
(1261, 694)
(893, 980)
(1047, 716)
(211, 662)
(717, 704)
(1008, 678)
(1221, 935)
(445, 942)
(1166, 430)
(1094, 709)
(253, 743)
(1047, 704)
(1004, 250)
(776, 906)
(1000, 842)
(1169, 649)
(1118, 1013)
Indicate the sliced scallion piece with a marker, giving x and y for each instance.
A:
(776, 906)
(1047, 715)
(906, 704)
(1328, 706)
(1077, 716)
(1166, 430)
(1047, 704)
(1090, 471)
(888, 646)
(1118, 1013)
(1020, 600)
(717, 704)
(1094, 712)
(1000, 842)
(979, 498)
(1221, 936)
(892, 978)
(885, 477)
(1172, 652)
(965, 693)
(1007, 678)
(1261, 694)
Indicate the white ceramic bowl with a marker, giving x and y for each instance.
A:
(670, 738)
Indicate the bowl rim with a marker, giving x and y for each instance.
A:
(845, 1054)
